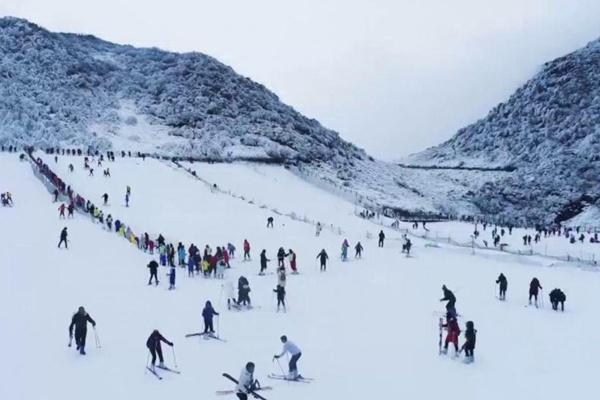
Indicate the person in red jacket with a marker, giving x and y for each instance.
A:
(453, 329)
(61, 210)
(246, 250)
(226, 257)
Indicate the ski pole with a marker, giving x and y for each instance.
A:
(98, 346)
(147, 361)
(218, 326)
(174, 358)
(70, 340)
(280, 367)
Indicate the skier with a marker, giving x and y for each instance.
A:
(452, 336)
(243, 291)
(61, 211)
(358, 249)
(345, 246)
(55, 193)
(246, 383)
(109, 221)
(293, 266)
(105, 198)
(79, 321)
(127, 200)
(503, 286)
(263, 262)
(381, 238)
(70, 210)
(226, 257)
(246, 250)
(534, 286)
(406, 246)
(469, 345)
(451, 301)
(323, 257)
(270, 222)
(318, 229)
(231, 249)
(63, 238)
(280, 290)
(229, 293)
(295, 352)
(181, 254)
(281, 257)
(172, 274)
(128, 190)
(557, 296)
(207, 314)
(153, 266)
(153, 344)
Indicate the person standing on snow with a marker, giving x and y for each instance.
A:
(243, 291)
(246, 382)
(231, 249)
(172, 274)
(469, 345)
(207, 314)
(153, 344)
(61, 211)
(451, 301)
(63, 238)
(358, 249)
(270, 222)
(281, 257)
(453, 329)
(280, 291)
(181, 254)
(153, 266)
(534, 287)
(79, 321)
(381, 238)
(263, 262)
(229, 293)
(105, 198)
(319, 228)
(293, 265)
(503, 282)
(295, 352)
(246, 250)
(323, 257)
(345, 246)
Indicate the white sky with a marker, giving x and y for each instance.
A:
(392, 76)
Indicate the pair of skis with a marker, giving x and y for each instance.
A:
(153, 371)
(262, 388)
(205, 335)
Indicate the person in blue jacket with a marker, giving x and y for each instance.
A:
(181, 254)
(208, 313)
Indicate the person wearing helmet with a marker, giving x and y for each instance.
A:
(79, 321)
(295, 352)
(246, 383)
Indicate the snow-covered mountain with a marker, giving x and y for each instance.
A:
(548, 131)
(59, 89)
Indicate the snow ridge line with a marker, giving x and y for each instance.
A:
(336, 230)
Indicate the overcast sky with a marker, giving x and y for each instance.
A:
(393, 76)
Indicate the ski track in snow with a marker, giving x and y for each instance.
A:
(367, 327)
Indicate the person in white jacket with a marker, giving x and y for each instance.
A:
(295, 352)
(246, 383)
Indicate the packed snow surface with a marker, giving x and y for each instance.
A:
(367, 328)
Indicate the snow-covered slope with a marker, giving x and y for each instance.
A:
(548, 131)
(366, 327)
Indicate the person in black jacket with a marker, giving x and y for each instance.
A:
(153, 344)
(323, 257)
(469, 345)
(63, 238)
(534, 287)
(280, 290)
(263, 262)
(451, 301)
(281, 255)
(153, 266)
(358, 248)
(207, 314)
(503, 286)
(558, 296)
(79, 321)
(243, 291)
(381, 238)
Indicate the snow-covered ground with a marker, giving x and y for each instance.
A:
(367, 327)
